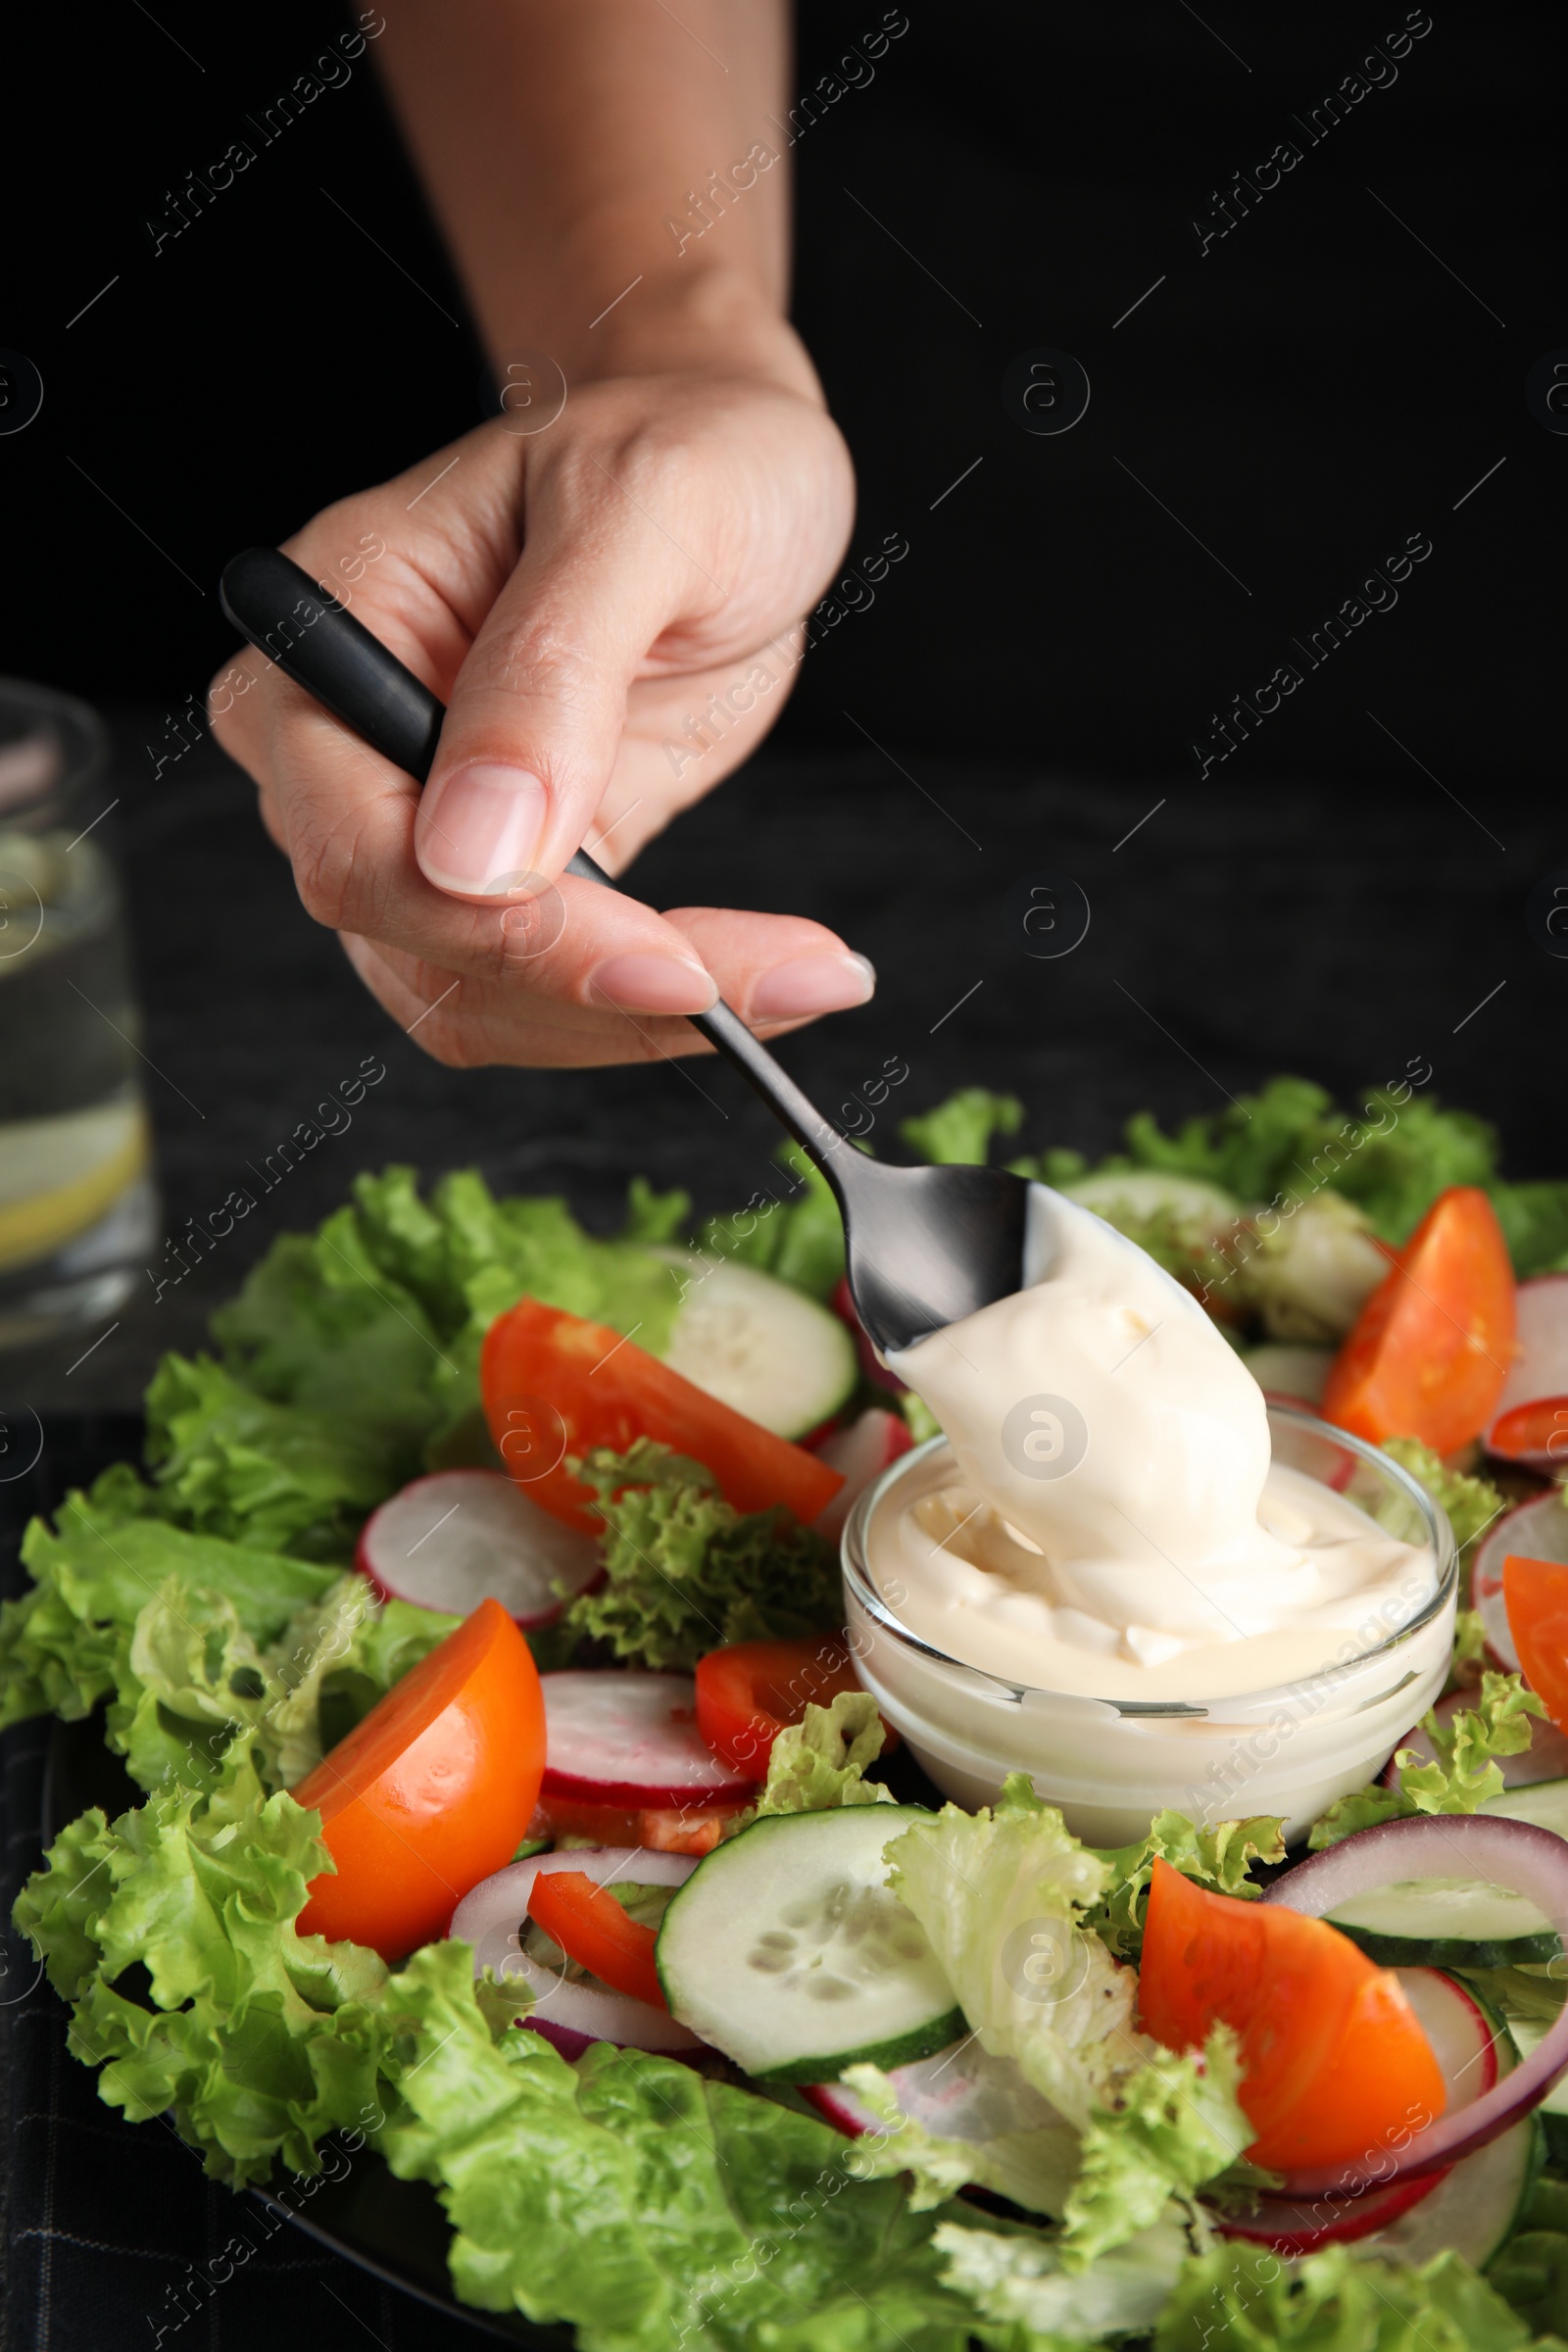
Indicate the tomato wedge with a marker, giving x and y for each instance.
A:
(1432, 1348)
(666, 1829)
(431, 1793)
(592, 1928)
(1333, 2059)
(750, 1691)
(556, 1386)
(1535, 1593)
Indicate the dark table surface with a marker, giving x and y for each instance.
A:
(1238, 931)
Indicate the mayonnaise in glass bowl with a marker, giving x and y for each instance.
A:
(1213, 1753)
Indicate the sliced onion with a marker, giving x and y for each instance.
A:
(1538, 1529)
(492, 1917)
(1514, 1854)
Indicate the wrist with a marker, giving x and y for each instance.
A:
(697, 319)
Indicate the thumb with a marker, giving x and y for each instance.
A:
(538, 711)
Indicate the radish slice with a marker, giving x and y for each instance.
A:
(493, 1917)
(1539, 1371)
(962, 2093)
(859, 1454)
(467, 1535)
(1514, 1854)
(1544, 1759)
(618, 1737)
(1540, 1530)
(1464, 2040)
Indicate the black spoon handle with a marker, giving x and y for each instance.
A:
(319, 644)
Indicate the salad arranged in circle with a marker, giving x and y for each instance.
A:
(518, 1797)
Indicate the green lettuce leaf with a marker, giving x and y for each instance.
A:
(1174, 2124)
(646, 2205)
(322, 1325)
(1461, 1777)
(1244, 2299)
(685, 1572)
(1289, 1141)
(234, 1464)
(1219, 1857)
(1001, 1893)
(1531, 2270)
(1021, 2281)
(1535, 1225)
(819, 1762)
(377, 1320)
(1471, 1504)
(65, 1645)
(959, 1132)
(259, 2041)
(193, 1641)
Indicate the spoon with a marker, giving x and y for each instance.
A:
(923, 1246)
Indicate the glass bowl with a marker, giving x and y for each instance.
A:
(1111, 1763)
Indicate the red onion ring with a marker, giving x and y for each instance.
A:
(1517, 1855)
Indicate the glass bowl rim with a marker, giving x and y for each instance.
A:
(857, 1582)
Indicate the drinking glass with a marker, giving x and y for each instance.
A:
(78, 1209)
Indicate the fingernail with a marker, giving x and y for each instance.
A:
(811, 984)
(654, 984)
(478, 829)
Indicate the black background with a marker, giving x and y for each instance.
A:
(1313, 389)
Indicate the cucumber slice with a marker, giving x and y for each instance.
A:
(758, 1345)
(1553, 2108)
(1473, 2212)
(1544, 1802)
(787, 1949)
(1461, 1923)
(1446, 1923)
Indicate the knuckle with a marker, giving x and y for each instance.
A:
(327, 874)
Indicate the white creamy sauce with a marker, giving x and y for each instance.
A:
(1110, 1521)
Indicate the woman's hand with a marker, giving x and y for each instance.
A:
(612, 609)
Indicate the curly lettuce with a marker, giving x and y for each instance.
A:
(1219, 1857)
(1459, 1779)
(1245, 2299)
(959, 1132)
(820, 1763)
(685, 1572)
(258, 2039)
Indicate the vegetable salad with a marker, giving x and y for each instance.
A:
(1021, 2114)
